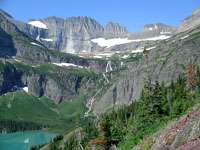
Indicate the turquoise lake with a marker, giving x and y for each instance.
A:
(24, 140)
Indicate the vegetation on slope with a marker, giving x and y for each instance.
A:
(128, 125)
(157, 105)
(17, 108)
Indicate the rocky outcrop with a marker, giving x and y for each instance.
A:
(58, 84)
(191, 21)
(10, 78)
(62, 85)
(155, 30)
(180, 135)
(114, 30)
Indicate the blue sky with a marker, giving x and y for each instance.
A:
(131, 13)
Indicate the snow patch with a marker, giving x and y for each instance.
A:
(137, 51)
(67, 65)
(165, 32)
(97, 56)
(25, 89)
(35, 44)
(38, 38)
(150, 29)
(38, 24)
(184, 37)
(150, 48)
(161, 37)
(111, 42)
(125, 56)
(47, 40)
(118, 41)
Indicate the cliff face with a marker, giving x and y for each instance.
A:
(72, 35)
(54, 82)
(155, 30)
(16, 44)
(165, 62)
(191, 21)
(75, 34)
(114, 30)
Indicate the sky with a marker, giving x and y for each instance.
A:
(133, 14)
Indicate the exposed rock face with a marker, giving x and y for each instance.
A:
(58, 85)
(191, 21)
(164, 63)
(115, 30)
(10, 78)
(183, 135)
(150, 35)
(155, 30)
(58, 88)
(14, 43)
(74, 35)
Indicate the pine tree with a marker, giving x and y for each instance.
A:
(156, 99)
(192, 76)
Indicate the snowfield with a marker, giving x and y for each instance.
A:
(137, 51)
(111, 42)
(150, 48)
(118, 41)
(165, 32)
(47, 40)
(33, 43)
(185, 37)
(38, 24)
(67, 65)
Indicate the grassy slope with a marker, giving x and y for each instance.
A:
(20, 106)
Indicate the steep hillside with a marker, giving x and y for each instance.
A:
(15, 43)
(159, 104)
(165, 62)
(179, 135)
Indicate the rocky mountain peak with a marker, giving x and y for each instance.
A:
(5, 14)
(159, 27)
(115, 29)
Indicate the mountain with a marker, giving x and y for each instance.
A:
(84, 34)
(154, 30)
(113, 30)
(150, 78)
(191, 21)
(166, 60)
